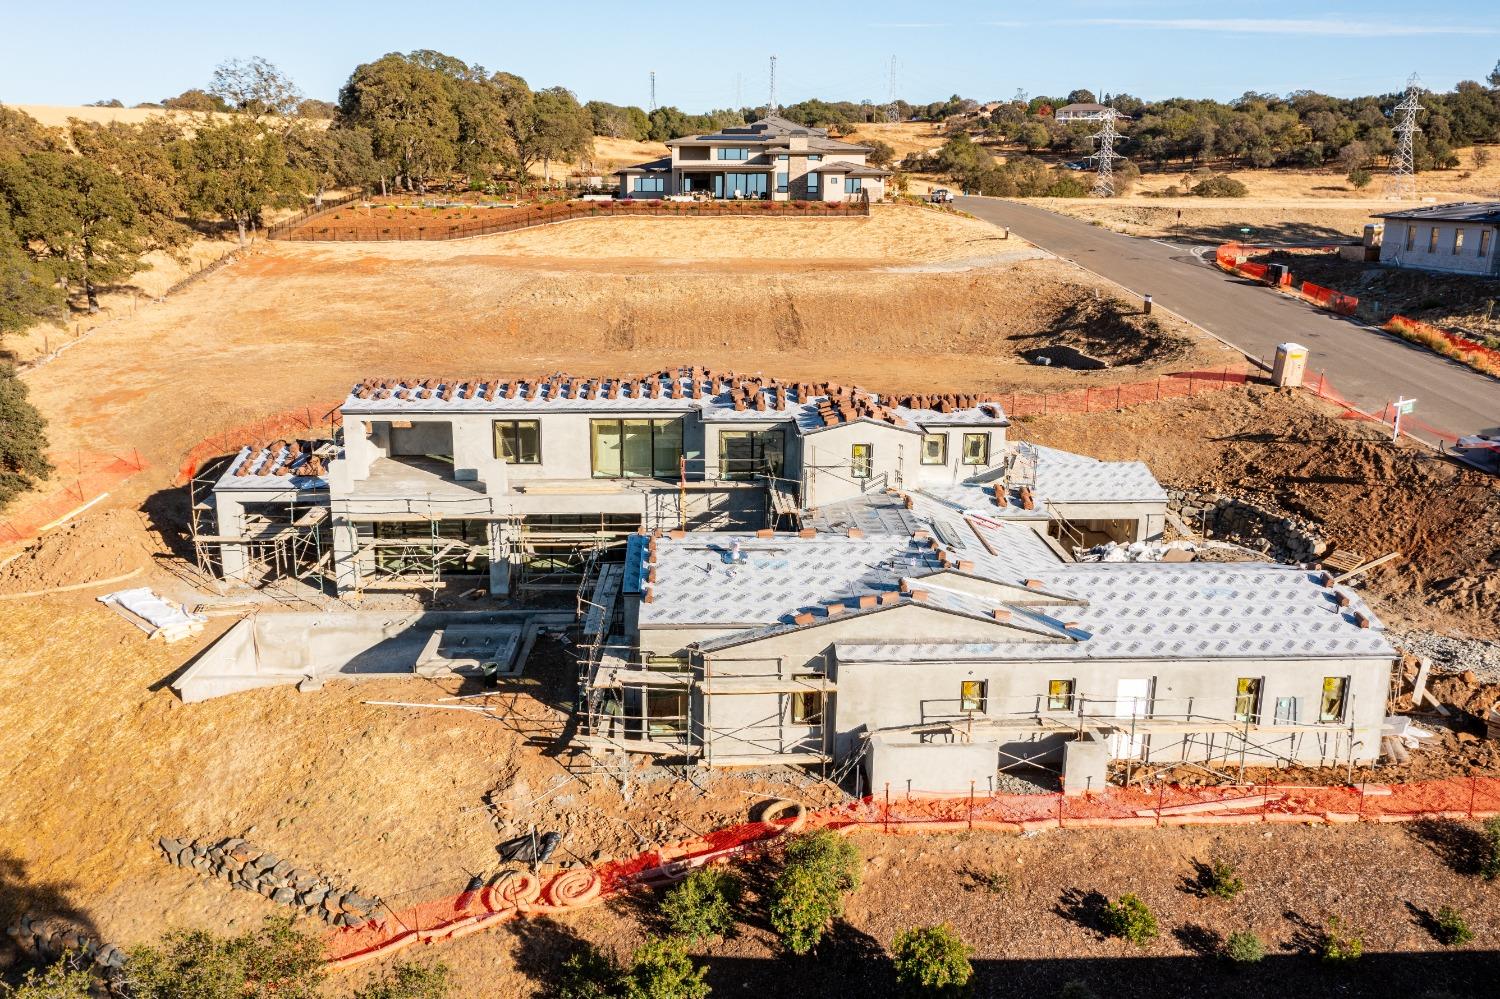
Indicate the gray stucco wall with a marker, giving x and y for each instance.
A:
(1393, 247)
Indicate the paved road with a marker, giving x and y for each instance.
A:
(1368, 367)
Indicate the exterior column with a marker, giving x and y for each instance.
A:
(229, 518)
(346, 568)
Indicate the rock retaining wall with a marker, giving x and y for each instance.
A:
(47, 940)
(1284, 537)
(249, 868)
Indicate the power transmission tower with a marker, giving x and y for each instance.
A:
(771, 105)
(1105, 155)
(653, 90)
(892, 112)
(1402, 184)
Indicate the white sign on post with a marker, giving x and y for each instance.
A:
(1402, 406)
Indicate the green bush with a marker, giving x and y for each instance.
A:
(818, 870)
(63, 979)
(409, 981)
(589, 973)
(702, 907)
(1220, 880)
(277, 960)
(661, 969)
(1244, 947)
(1130, 919)
(932, 961)
(1489, 862)
(1341, 945)
(1450, 928)
(1360, 177)
(1219, 186)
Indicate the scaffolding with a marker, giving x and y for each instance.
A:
(284, 534)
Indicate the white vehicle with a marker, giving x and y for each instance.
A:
(940, 196)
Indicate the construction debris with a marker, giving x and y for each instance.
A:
(157, 617)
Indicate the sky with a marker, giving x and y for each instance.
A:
(717, 54)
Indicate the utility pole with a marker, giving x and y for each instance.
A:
(653, 90)
(771, 104)
(1105, 155)
(1402, 184)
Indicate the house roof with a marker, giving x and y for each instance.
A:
(719, 396)
(1085, 106)
(855, 169)
(1054, 477)
(1484, 212)
(279, 465)
(1203, 610)
(651, 166)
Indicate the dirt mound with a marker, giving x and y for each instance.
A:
(1104, 329)
(1293, 453)
(93, 547)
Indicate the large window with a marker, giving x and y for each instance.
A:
(861, 461)
(739, 185)
(853, 185)
(934, 449)
(781, 181)
(666, 712)
(971, 695)
(1247, 699)
(650, 185)
(812, 183)
(635, 449)
(518, 442)
(1059, 695)
(744, 454)
(1335, 695)
(734, 153)
(976, 449)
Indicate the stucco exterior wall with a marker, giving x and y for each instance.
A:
(1393, 248)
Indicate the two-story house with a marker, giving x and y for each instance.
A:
(771, 159)
(515, 481)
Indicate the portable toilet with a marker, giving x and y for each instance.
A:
(1291, 364)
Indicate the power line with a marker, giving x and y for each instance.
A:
(1105, 155)
(1402, 184)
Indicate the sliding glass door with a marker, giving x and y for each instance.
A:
(633, 449)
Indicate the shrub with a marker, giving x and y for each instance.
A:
(995, 882)
(702, 907)
(589, 974)
(1220, 880)
(661, 969)
(1489, 862)
(1340, 945)
(1219, 186)
(409, 981)
(932, 961)
(276, 960)
(61, 980)
(1244, 947)
(1450, 928)
(818, 870)
(1360, 177)
(1130, 919)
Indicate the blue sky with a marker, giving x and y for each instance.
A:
(72, 53)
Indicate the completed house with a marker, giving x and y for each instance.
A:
(1080, 112)
(1459, 238)
(771, 159)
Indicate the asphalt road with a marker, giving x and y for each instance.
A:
(1366, 366)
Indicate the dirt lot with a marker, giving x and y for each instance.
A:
(101, 759)
(1455, 302)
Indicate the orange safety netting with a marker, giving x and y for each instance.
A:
(80, 477)
(1108, 397)
(288, 423)
(903, 811)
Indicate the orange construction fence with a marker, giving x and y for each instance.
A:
(80, 478)
(300, 421)
(899, 811)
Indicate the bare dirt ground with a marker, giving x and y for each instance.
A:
(101, 759)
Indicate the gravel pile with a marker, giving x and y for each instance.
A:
(1451, 655)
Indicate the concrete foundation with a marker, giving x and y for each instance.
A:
(906, 764)
(268, 650)
(1085, 765)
